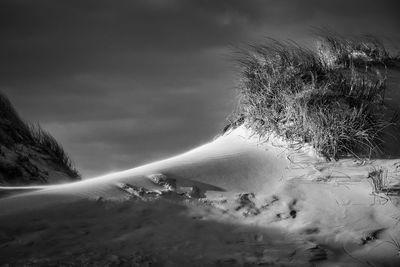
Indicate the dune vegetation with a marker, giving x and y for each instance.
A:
(22, 139)
(331, 97)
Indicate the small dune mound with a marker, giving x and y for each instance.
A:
(29, 154)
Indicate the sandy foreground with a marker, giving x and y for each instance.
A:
(232, 202)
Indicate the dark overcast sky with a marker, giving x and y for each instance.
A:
(122, 83)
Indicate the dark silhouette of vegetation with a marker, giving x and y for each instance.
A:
(15, 131)
(331, 97)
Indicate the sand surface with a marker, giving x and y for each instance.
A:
(232, 202)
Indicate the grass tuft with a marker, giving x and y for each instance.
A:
(361, 51)
(14, 130)
(331, 97)
(379, 180)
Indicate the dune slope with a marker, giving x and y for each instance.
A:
(232, 202)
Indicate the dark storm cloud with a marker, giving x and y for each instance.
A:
(125, 82)
(53, 38)
(63, 36)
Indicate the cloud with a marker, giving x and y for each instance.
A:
(57, 38)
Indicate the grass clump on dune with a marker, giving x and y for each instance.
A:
(48, 143)
(331, 97)
(14, 131)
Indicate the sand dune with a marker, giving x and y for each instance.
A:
(227, 203)
(230, 163)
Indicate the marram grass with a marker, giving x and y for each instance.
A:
(331, 97)
(21, 132)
